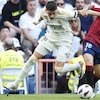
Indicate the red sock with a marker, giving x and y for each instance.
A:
(90, 75)
(89, 68)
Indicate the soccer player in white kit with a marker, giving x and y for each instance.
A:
(58, 36)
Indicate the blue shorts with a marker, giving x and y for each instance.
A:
(93, 50)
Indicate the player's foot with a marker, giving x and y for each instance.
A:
(80, 70)
(12, 86)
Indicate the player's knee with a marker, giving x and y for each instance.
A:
(58, 69)
(88, 59)
(31, 60)
(61, 58)
(59, 63)
(34, 58)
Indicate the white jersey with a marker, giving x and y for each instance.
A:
(58, 29)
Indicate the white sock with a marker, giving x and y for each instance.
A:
(70, 67)
(67, 68)
(26, 69)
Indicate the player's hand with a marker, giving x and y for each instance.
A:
(82, 12)
(88, 12)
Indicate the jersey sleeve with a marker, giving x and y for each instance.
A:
(42, 13)
(95, 9)
(68, 13)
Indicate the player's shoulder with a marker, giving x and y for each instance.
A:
(43, 10)
(59, 9)
(62, 11)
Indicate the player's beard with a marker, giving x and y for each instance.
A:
(42, 4)
(79, 8)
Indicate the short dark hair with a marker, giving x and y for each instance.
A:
(2, 27)
(51, 6)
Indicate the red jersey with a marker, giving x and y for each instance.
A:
(94, 32)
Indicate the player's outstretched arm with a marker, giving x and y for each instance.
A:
(88, 12)
(92, 12)
(82, 12)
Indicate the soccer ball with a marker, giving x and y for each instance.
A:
(85, 91)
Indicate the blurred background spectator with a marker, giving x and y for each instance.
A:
(10, 58)
(11, 12)
(86, 21)
(72, 2)
(2, 3)
(63, 4)
(4, 33)
(30, 31)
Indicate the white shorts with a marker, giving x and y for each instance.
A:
(63, 48)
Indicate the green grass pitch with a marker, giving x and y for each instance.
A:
(45, 97)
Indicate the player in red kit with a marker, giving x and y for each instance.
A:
(92, 47)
